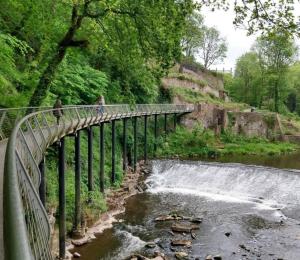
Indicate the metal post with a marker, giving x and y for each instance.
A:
(62, 214)
(175, 121)
(155, 134)
(165, 124)
(42, 188)
(145, 137)
(113, 151)
(102, 155)
(124, 144)
(90, 159)
(134, 143)
(77, 182)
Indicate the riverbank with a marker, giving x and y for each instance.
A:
(115, 201)
(199, 142)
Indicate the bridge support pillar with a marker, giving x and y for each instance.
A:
(113, 151)
(155, 134)
(124, 144)
(90, 158)
(175, 121)
(62, 214)
(42, 188)
(145, 137)
(165, 124)
(102, 156)
(134, 143)
(77, 217)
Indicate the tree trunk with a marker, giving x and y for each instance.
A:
(276, 97)
(45, 80)
(48, 75)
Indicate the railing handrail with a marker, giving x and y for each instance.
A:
(33, 133)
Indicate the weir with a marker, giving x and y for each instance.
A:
(270, 188)
(23, 217)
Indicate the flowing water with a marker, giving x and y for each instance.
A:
(258, 207)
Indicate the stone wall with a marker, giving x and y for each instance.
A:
(255, 124)
(208, 115)
(292, 138)
(250, 124)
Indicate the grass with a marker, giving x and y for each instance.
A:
(193, 96)
(200, 142)
(181, 76)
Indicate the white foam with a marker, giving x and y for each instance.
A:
(264, 188)
(130, 244)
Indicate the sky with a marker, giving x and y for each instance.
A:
(237, 39)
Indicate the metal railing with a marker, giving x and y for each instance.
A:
(26, 225)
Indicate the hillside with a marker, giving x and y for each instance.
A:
(216, 111)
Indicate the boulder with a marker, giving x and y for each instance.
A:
(183, 227)
(228, 234)
(181, 255)
(196, 220)
(76, 255)
(193, 235)
(80, 242)
(150, 245)
(187, 243)
(164, 218)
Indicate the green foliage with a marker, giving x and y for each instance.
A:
(263, 78)
(198, 142)
(11, 50)
(78, 83)
(193, 34)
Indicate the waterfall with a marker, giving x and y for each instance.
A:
(265, 187)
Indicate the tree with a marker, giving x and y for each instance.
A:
(277, 52)
(261, 15)
(154, 30)
(213, 47)
(248, 86)
(192, 34)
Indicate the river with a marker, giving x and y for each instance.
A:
(250, 210)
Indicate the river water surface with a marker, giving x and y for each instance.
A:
(257, 207)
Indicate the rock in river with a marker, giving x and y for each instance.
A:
(183, 227)
(181, 255)
(187, 243)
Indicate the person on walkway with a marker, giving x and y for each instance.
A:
(58, 112)
(100, 102)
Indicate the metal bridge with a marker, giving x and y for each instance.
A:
(24, 139)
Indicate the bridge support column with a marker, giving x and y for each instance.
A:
(77, 217)
(165, 124)
(42, 188)
(124, 144)
(62, 214)
(155, 134)
(90, 158)
(102, 156)
(113, 151)
(145, 137)
(134, 143)
(175, 121)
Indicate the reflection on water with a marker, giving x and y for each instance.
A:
(287, 161)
